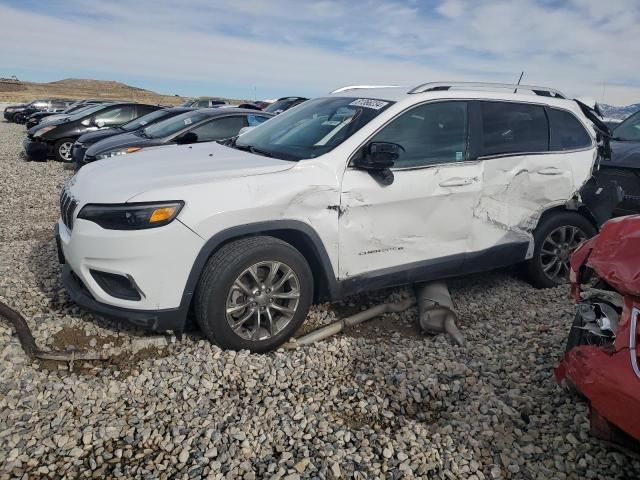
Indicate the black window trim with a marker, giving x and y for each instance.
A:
(467, 161)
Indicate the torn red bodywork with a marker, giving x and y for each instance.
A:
(607, 373)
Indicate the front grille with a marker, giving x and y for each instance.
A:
(67, 208)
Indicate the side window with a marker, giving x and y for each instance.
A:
(430, 134)
(219, 129)
(202, 103)
(255, 120)
(513, 128)
(116, 115)
(144, 109)
(566, 132)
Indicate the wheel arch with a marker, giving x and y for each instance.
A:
(296, 233)
(581, 210)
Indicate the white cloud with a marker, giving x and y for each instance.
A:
(310, 48)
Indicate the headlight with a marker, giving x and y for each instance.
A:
(9, 109)
(131, 216)
(44, 130)
(115, 153)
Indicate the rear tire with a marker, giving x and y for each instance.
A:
(555, 239)
(62, 150)
(240, 304)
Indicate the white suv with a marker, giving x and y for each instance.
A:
(361, 189)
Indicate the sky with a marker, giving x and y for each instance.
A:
(256, 49)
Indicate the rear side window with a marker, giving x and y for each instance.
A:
(255, 120)
(567, 133)
(513, 128)
(220, 129)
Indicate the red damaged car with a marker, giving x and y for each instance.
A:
(601, 360)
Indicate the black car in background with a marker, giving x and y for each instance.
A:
(53, 106)
(35, 118)
(284, 103)
(624, 165)
(88, 139)
(201, 125)
(56, 138)
(204, 102)
(14, 112)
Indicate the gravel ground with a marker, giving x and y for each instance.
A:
(380, 402)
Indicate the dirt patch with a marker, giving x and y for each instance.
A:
(122, 362)
(74, 338)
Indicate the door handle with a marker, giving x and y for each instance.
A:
(456, 182)
(550, 171)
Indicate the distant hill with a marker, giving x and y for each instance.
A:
(77, 88)
(611, 111)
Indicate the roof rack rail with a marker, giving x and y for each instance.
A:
(354, 87)
(440, 86)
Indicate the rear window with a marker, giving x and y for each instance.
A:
(513, 128)
(567, 133)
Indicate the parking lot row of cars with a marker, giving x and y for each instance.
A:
(77, 133)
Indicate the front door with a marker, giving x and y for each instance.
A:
(418, 226)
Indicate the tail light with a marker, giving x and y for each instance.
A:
(634, 341)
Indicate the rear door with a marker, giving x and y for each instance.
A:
(522, 177)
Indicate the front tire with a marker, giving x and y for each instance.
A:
(555, 239)
(253, 294)
(62, 150)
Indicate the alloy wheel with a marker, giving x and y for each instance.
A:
(65, 150)
(263, 300)
(556, 250)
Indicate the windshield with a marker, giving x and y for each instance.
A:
(312, 129)
(188, 103)
(172, 125)
(629, 129)
(280, 105)
(145, 120)
(83, 112)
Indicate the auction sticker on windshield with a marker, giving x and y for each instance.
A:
(369, 103)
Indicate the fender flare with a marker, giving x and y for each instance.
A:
(282, 229)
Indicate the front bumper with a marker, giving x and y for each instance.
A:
(158, 261)
(35, 150)
(156, 320)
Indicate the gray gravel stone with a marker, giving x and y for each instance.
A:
(382, 401)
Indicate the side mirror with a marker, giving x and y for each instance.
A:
(377, 158)
(186, 138)
(100, 123)
(86, 122)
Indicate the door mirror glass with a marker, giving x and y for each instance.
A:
(186, 138)
(86, 122)
(100, 123)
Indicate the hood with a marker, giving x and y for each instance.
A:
(93, 137)
(119, 179)
(624, 154)
(121, 140)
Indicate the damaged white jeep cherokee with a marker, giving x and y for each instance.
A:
(361, 189)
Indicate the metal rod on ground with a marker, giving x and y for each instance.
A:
(340, 325)
(435, 307)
